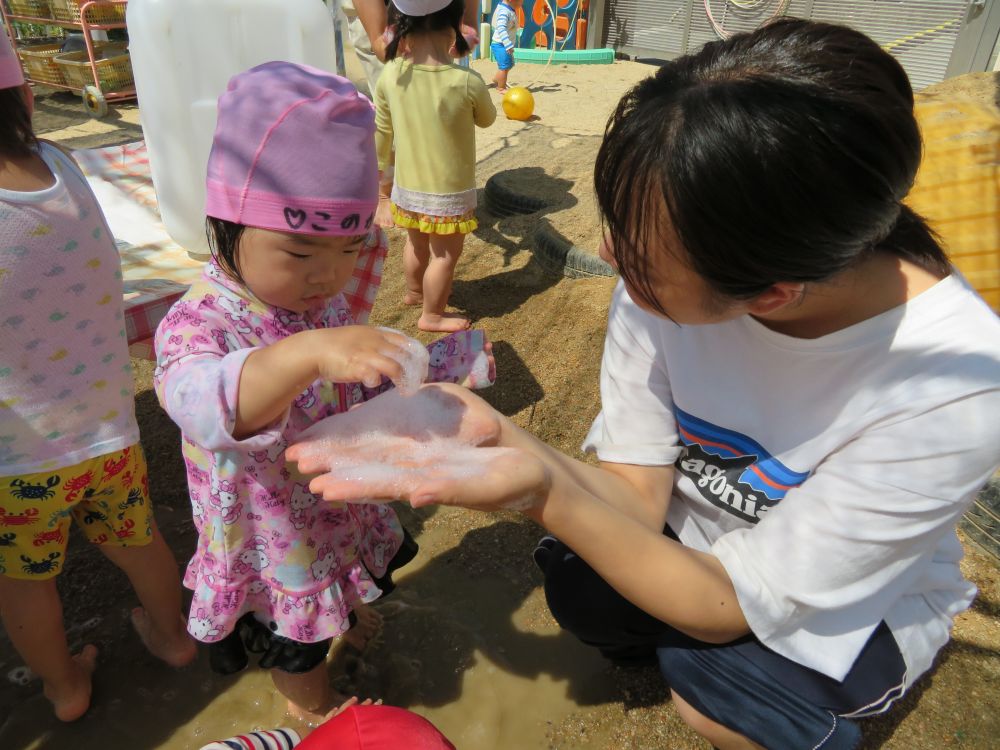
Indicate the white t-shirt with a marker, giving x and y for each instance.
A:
(66, 384)
(826, 474)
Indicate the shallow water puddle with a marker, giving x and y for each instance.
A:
(467, 642)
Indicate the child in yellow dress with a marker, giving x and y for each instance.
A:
(431, 106)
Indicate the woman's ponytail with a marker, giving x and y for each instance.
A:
(911, 238)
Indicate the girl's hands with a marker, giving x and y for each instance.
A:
(491, 373)
(273, 376)
(427, 448)
(472, 39)
(356, 354)
(352, 701)
(383, 213)
(380, 42)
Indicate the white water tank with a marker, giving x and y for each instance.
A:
(183, 54)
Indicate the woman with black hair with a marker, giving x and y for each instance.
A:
(799, 399)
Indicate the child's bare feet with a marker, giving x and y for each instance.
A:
(352, 701)
(72, 700)
(366, 629)
(413, 298)
(445, 322)
(314, 718)
(176, 649)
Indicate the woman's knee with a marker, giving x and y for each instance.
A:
(692, 716)
(720, 736)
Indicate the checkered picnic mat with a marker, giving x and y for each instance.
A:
(156, 270)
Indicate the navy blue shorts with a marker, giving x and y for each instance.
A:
(503, 58)
(742, 685)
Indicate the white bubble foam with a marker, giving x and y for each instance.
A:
(526, 502)
(393, 444)
(414, 358)
(386, 419)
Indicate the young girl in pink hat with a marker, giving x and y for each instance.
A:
(431, 106)
(269, 341)
(69, 442)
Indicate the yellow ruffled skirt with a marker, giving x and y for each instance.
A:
(462, 224)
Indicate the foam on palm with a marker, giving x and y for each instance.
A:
(391, 444)
(381, 476)
(414, 358)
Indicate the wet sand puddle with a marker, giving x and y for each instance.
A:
(456, 648)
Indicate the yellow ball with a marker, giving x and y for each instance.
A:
(518, 103)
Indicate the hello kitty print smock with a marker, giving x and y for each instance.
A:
(66, 389)
(265, 543)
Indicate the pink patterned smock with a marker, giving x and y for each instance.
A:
(266, 544)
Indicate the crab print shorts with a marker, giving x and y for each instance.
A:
(108, 496)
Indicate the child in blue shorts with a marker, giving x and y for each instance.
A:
(504, 36)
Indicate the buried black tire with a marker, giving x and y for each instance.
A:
(981, 523)
(501, 201)
(551, 250)
(561, 256)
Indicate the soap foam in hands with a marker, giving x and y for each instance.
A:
(413, 359)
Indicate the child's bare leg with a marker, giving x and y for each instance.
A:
(366, 629)
(416, 255)
(152, 571)
(445, 251)
(32, 614)
(501, 81)
(383, 213)
(309, 694)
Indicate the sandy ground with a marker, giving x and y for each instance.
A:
(468, 640)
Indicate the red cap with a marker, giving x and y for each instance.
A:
(376, 728)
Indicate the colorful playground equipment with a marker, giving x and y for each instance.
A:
(549, 31)
(568, 28)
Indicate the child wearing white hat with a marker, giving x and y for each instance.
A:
(431, 106)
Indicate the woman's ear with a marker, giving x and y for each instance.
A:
(781, 294)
